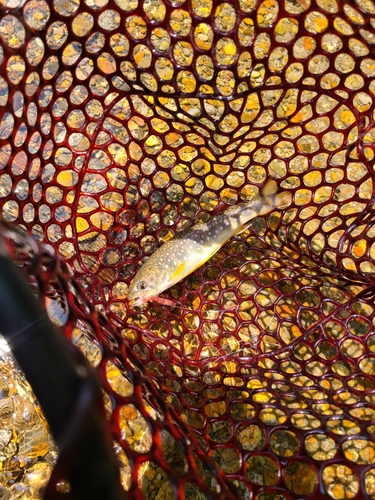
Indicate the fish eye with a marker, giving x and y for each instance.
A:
(142, 286)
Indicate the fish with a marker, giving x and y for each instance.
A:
(189, 249)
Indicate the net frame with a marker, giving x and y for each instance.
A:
(274, 336)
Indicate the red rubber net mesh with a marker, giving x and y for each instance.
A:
(121, 121)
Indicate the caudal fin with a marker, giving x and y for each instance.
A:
(269, 188)
(262, 204)
(283, 199)
(303, 3)
(272, 198)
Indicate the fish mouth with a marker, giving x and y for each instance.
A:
(132, 295)
(137, 301)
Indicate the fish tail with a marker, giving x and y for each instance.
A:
(266, 201)
(283, 198)
(270, 198)
(269, 188)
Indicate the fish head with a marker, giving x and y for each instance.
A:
(146, 284)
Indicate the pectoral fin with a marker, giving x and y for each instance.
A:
(186, 268)
(178, 273)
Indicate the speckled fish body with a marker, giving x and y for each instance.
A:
(191, 248)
